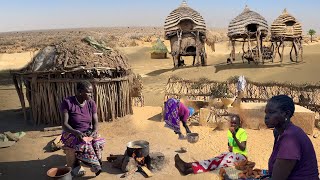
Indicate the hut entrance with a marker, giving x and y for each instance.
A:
(191, 50)
(252, 27)
(289, 26)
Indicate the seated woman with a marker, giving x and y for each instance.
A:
(80, 125)
(174, 111)
(293, 155)
(237, 140)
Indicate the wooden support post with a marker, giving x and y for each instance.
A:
(259, 46)
(233, 52)
(197, 48)
(280, 56)
(243, 51)
(19, 89)
(273, 54)
(295, 49)
(301, 49)
(282, 52)
(291, 51)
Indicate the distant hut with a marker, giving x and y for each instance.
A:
(52, 76)
(287, 28)
(186, 30)
(159, 50)
(247, 27)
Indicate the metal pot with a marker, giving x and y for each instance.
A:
(140, 148)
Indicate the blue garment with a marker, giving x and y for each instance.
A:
(191, 111)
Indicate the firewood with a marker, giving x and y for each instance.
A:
(147, 171)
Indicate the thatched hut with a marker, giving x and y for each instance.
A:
(186, 30)
(287, 28)
(248, 27)
(53, 73)
(159, 50)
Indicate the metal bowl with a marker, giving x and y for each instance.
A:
(193, 137)
(140, 148)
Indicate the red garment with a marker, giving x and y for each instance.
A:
(223, 160)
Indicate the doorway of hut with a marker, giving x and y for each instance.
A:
(191, 50)
(252, 27)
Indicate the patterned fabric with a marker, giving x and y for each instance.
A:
(172, 118)
(90, 153)
(223, 160)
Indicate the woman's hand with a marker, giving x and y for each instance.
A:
(233, 131)
(93, 134)
(79, 135)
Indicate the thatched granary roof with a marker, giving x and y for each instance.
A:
(159, 47)
(184, 12)
(77, 54)
(286, 25)
(247, 21)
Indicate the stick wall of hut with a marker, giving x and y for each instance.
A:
(111, 96)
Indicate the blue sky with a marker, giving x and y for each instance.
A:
(19, 15)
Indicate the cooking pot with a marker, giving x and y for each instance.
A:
(140, 148)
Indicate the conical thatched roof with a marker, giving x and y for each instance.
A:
(184, 12)
(74, 54)
(239, 25)
(159, 47)
(286, 25)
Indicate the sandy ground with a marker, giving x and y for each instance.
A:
(27, 159)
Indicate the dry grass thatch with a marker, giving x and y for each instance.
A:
(184, 12)
(77, 53)
(286, 26)
(159, 47)
(247, 21)
(54, 72)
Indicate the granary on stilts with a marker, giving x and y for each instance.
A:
(186, 30)
(287, 28)
(159, 50)
(249, 28)
(53, 73)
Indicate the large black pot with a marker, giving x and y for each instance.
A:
(140, 148)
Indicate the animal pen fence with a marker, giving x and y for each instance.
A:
(249, 27)
(307, 95)
(52, 76)
(186, 30)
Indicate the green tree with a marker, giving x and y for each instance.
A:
(311, 32)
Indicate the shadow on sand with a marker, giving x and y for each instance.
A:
(37, 169)
(34, 169)
(13, 120)
(161, 71)
(156, 118)
(245, 65)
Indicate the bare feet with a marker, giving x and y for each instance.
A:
(183, 167)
